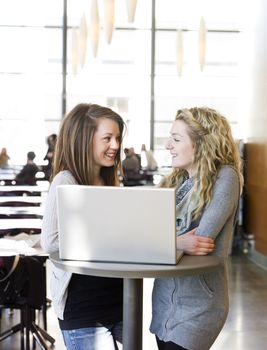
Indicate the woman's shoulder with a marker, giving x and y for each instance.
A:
(228, 170)
(64, 177)
(228, 174)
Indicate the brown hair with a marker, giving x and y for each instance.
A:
(74, 147)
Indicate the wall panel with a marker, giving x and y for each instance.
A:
(256, 193)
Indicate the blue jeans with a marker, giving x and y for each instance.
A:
(93, 338)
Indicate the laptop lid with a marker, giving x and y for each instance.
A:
(117, 224)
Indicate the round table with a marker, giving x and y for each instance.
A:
(133, 275)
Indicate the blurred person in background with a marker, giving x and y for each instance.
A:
(148, 160)
(51, 142)
(27, 174)
(4, 158)
(131, 166)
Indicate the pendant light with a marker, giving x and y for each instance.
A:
(94, 27)
(74, 50)
(131, 7)
(109, 10)
(202, 43)
(82, 40)
(179, 52)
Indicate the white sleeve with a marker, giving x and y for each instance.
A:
(49, 234)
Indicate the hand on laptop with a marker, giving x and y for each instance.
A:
(195, 245)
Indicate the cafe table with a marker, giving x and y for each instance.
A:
(15, 226)
(31, 189)
(21, 211)
(36, 200)
(133, 275)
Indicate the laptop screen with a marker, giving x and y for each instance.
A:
(117, 224)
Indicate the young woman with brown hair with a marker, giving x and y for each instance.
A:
(88, 152)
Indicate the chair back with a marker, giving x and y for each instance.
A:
(22, 281)
(19, 204)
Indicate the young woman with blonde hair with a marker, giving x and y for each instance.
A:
(189, 312)
(88, 152)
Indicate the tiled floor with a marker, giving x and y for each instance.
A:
(246, 326)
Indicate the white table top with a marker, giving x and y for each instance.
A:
(22, 210)
(188, 265)
(28, 199)
(7, 224)
(7, 176)
(23, 243)
(40, 188)
(22, 251)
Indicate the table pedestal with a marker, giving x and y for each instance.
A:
(132, 313)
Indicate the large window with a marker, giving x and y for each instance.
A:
(31, 66)
(30, 70)
(217, 85)
(119, 76)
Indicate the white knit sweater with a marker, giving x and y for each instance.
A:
(49, 242)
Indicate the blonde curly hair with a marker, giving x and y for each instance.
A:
(214, 147)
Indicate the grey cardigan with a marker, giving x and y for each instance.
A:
(191, 311)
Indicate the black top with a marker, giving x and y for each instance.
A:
(92, 301)
(27, 175)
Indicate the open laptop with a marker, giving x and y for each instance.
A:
(117, 224)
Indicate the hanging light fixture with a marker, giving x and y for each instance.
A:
(131, 7)
(109, 10)
(94, 27)
(74, 50)
(179, 52)
(82, 40)
(202, 43)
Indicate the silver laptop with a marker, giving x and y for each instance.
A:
(117, 224)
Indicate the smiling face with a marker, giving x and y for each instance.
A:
(181, 147)
(106, 142)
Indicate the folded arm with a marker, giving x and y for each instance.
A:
(192, 244)
(200, 241)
